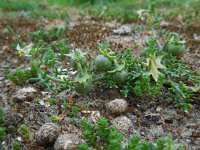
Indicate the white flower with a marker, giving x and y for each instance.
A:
(18, 47)
(25, 51)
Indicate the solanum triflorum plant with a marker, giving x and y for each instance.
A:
(158, 67)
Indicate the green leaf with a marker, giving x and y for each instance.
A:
(15, 145)
(55, 119)
(133, 142)
(160, 144)
(83, 146)
(76, 55)
(2, 134)
(82, 77)
(154, 64)
(24, 129)
(117, 68)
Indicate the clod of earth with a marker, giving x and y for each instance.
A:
(124, 29)
(67, 142)
(117, 106)
(24, 94)
(47, 134)
(123, 124)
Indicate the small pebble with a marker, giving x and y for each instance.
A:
(117, 106)
(123, 124)
(67, 142)
(124, 29)
(24, 94)
(47, 134)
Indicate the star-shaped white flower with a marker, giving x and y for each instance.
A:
(25, 51)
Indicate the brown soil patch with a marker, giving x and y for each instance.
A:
(87, 35)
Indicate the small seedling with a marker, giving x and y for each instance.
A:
(52, 101)
(66, 105)
(55, 119)
(16, 145)
(102, 136)
(2, 132)
(75, 110)
(25, 131)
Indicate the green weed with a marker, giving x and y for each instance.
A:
(16, 145)
(2, 132)
(25, 131)
(103, 136)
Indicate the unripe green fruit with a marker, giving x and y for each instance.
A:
(120, 77)
(102, 63)
(83, 88)
(175, 49)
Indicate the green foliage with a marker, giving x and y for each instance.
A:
(66, 105)
(75, 110)
(62, 46)
(24, 130)
(55, 119)
(84, 146)
(2, 132)
(88, 132)
(122, 11)
(160, 144)
(102, 136)
(10, 130)
(145, 76)
(20, 76)
(15, 5)
(78, 59)
(52, 101)
(49, 59)
(16, 145)
(136, 143)
(1, 117)
(79, 2)
(179, 74)
(47, 36)
(143, 86)
(31, 9)
(181, 95)
(10, 31)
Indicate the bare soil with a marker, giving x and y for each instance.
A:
(151, 118)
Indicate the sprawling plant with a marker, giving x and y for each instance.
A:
(158, 67)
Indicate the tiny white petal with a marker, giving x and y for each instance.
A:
(18, 47)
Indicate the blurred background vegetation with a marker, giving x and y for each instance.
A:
(122, 10)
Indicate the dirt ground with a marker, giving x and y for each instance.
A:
(151, 118)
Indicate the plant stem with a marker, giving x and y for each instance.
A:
(98, 79)
(55, 79)
(51, 77)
